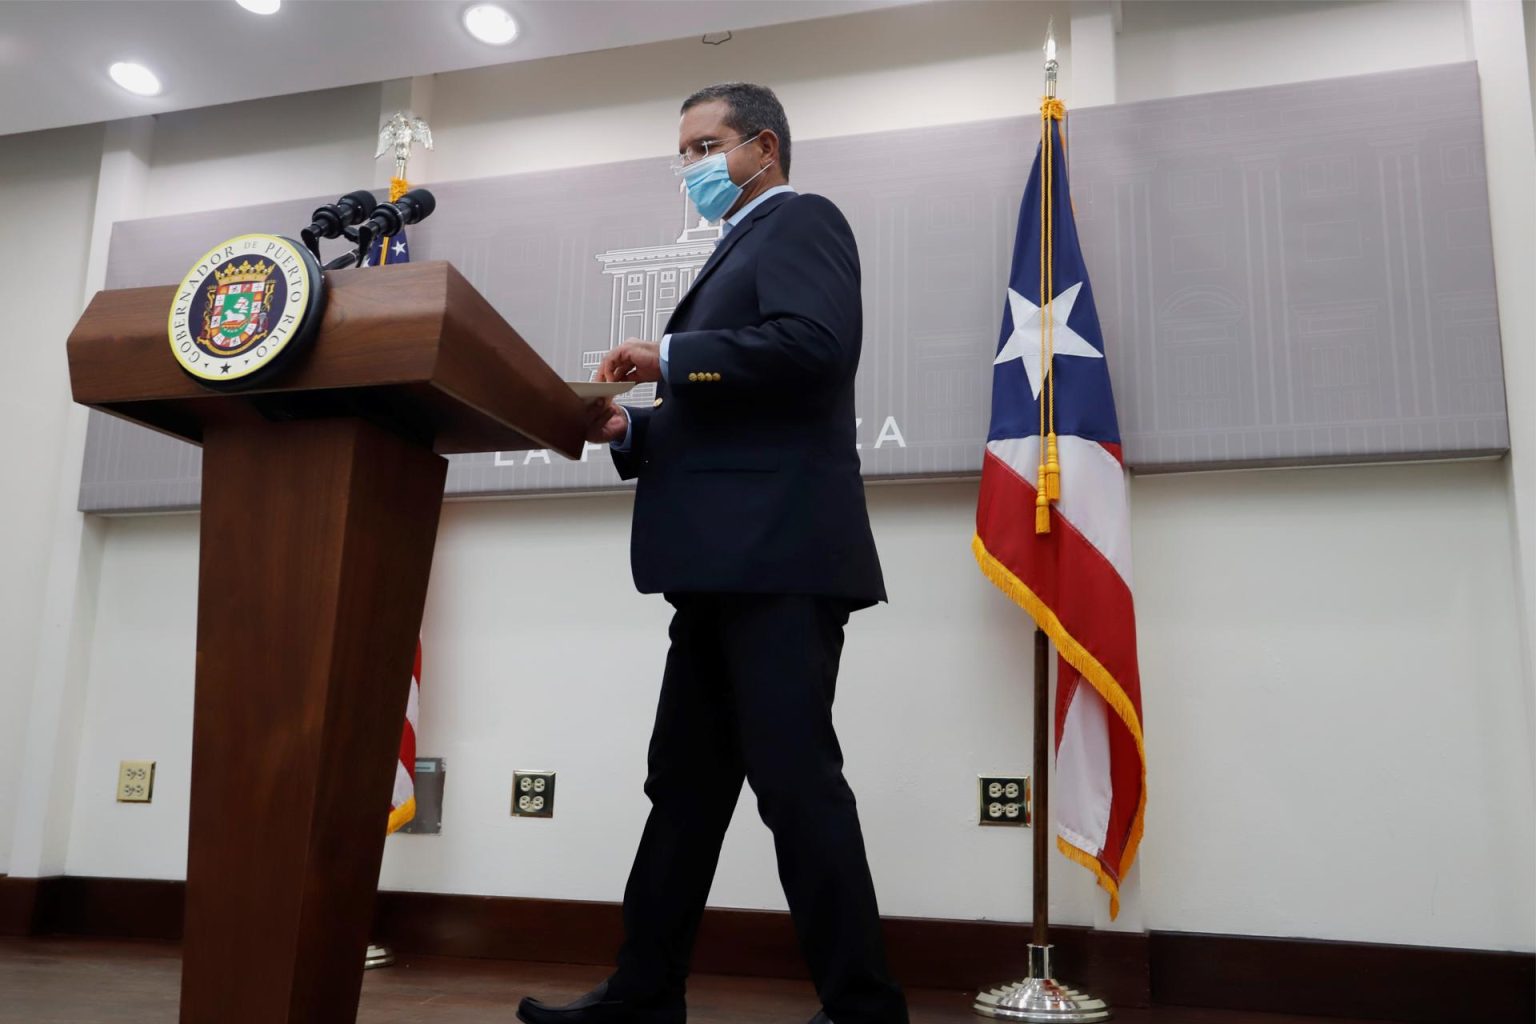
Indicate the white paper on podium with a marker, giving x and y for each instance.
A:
(599, 389)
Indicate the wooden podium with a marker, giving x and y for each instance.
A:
(321, 492)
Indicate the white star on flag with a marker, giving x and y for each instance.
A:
(1026, 341)
(399, 248)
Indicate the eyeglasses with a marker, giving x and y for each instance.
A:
(699, 150)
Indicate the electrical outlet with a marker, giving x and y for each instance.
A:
(135, 782)
(533, 794)
(1004, 800)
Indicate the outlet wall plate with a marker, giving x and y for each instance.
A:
(135, 782)
(533, 794)
(1004, 800)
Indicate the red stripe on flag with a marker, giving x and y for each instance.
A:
(1063, 569)
(403, 811)
(1074, 593)
(408, 734)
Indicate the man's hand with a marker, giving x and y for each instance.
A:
(606, 422)
(635, 360)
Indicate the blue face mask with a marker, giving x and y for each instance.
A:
(710, 186)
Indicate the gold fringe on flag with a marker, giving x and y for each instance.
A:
(1108, 687)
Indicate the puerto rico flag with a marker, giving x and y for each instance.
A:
(402, 802)
(1070, 568)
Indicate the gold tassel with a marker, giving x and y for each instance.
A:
(1052, 470)
(397, 188)
(1042, 508)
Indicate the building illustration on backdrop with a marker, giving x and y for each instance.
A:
(648, 283)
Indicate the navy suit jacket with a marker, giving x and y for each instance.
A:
(748, 473)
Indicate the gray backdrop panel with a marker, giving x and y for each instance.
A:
(1287, 275)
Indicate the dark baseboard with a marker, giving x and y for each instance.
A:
(111, 908)
(18, 905)
(1404, 984)
(1408, 984)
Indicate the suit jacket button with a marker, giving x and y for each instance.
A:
(656, 404)
(693, 377)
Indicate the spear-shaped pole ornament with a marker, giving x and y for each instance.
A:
(1052, 66)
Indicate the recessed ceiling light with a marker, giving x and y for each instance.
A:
(136, 78)
(490, 24)
(260, 6)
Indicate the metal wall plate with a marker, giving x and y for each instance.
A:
(135, 782)
(1004, 800)
(533, 794)
(431, 775)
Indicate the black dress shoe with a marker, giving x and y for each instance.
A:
(596, 1008)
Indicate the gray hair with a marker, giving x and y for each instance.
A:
(754, 109)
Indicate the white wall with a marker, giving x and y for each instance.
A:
(1494, 29)
(48, 180)
(1179, 48)
(931, 64)
(1333, 687)
(1529, 13)
(250, 153)
(1330, 657)
(139, 702)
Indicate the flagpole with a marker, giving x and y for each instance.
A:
(1039, 998)
(395, 138)
(1041, 814)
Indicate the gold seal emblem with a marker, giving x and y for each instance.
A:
(243, 308)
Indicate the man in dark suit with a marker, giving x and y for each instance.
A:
(750, 518)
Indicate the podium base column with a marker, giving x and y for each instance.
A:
(317, 540)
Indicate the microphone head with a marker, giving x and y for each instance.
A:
(422, 202)
(352, 208)
(356, 206)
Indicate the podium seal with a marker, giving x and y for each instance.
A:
(247, 307)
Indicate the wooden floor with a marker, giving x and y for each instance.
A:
(69, 981)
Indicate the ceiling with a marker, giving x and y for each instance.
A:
(54, 54)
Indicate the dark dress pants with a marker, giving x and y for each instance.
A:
(747, 694)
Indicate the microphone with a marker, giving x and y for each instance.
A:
(350, 209)
(388, 218)
(329, 221)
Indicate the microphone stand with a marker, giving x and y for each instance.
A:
(363, 237)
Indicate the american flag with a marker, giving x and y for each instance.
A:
(1067, 560)
(388, 249)
(402, 804)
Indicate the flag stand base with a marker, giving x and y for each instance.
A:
(378, 956)
(1039, 998)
